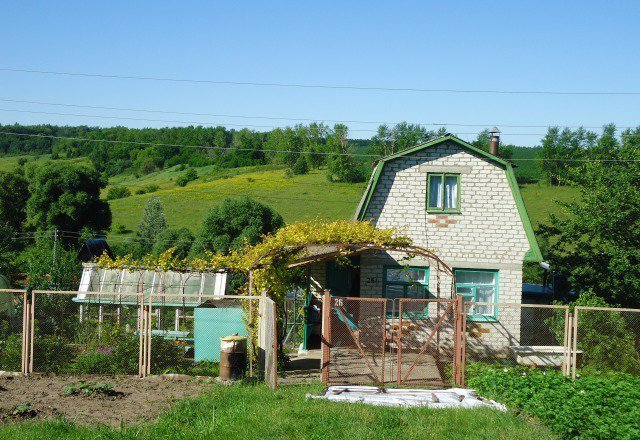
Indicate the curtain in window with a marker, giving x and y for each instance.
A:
(435, 192)
(450, 192)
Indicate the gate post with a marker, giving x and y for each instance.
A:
(459, 342)
(326, 335)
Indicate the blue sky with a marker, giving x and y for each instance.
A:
(561, 46)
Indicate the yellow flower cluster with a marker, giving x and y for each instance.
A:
(275, 252)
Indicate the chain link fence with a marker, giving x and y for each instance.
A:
(134, 333)
(425, 344)
(517, 334)
(606, 340)
(356, 334)
(12, 322)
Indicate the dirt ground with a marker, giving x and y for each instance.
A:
(131, 401)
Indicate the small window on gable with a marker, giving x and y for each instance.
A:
(443, 192)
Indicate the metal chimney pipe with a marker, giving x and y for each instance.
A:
(494, 142)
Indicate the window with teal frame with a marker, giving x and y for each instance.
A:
(406, 282)
(443, 192)
(478, 286)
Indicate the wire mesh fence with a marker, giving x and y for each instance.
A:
(356, 335)
(12, 307)
(517, 334)
(134, 333)
(606, 340)
(425, 344)
(86, 334)
(187, 340)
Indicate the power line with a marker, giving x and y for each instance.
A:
(288, 118)
(204, 147)
(324, 153)
(319, 86)
(215, 124)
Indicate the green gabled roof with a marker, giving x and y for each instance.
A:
(533, 254)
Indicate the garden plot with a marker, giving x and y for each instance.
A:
(92, 400)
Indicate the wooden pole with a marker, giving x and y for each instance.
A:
(575, 343)
(384, 337)
(31, 330)
(25, 333)
(399, 344)
(326, 335)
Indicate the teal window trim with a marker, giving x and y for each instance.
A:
(493, 317)
(406, 285)
(443, 210)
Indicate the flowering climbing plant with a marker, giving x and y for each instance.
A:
(269, 259)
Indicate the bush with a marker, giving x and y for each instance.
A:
(301, 166)
(118, 192)
(120, 229)
(151, 188)
(190, 175)
(180, 240)
(590, 407)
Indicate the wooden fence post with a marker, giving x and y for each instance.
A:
(326, 335)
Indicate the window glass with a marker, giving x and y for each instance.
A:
(406, 275)
(443, 192)
(435, 192)
(451, 192)
(395, 291)
(478, 286)
(192, 283)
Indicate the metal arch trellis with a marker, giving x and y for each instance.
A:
(345, 249)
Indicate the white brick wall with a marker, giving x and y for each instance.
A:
(488, 233)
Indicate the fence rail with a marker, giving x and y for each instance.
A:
(432, 342)
(132, 333)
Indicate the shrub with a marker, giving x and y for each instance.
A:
(301, 166)
(118, 192)
(190, 175)
(121, 229)
(140, 191)
(594, 406)
(151, 188)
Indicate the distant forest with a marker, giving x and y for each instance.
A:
(129, 149)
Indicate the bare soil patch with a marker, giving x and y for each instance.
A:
(132, 401)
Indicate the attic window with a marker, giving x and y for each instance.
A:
(443, 192)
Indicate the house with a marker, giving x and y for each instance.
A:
(463, 204)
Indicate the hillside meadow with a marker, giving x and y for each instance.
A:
(297, 198)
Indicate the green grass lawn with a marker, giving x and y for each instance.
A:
(256, 412)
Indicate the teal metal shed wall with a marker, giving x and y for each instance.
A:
(211, 324)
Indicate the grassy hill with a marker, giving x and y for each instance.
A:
(303, 197)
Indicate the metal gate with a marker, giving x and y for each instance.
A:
(391, 341)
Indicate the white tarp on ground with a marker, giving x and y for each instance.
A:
(449, 398)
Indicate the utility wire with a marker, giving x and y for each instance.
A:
(288, 118)
(324, 153)
(214, 124)
(320, 86)
(204, 147)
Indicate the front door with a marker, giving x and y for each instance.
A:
(344, 280)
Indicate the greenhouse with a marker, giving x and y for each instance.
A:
(183, 304)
